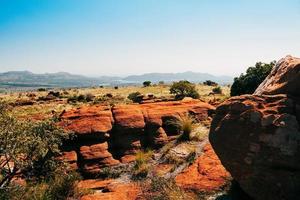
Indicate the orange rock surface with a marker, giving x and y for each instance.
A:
(205, 174)
(114, 191)
(88, 119)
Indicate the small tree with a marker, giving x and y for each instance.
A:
(27, 147)
(247, 83)
(146, 83)
(210, 83)
(184, 89)
(135, 97)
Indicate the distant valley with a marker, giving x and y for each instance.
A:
(23, 80)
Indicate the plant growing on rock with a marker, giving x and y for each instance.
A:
(186, 124)
(164, 189)
(141, 166)
(183, 89)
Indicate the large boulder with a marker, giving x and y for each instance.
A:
(283, 79)
(257, 137)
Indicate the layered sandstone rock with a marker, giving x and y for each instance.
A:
(107, 136)
(257, 138)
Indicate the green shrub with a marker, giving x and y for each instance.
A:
(135, 97)
(146, 83)
(81, 98)
(217, 90)
(184, 89)
(31, 146)
(210, 83)
(41, 89)
(247, 83)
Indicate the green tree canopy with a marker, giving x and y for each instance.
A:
(184, 89)
(247, 83)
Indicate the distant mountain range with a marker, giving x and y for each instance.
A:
(26, 79)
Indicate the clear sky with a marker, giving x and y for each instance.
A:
(120, 37)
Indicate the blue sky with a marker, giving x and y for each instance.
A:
(118, 37)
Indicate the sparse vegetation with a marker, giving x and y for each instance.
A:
(183, 89)
(109, 172)
(217, 90)
(164, 189)
(247, 83)
(141, 166)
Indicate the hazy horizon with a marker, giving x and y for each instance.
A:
(121, 38)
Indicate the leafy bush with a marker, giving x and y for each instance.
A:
(146, 83)
(81, 98)
(210, 83)
(41, 89)
(184, 89)
(217, 90)
(135, 97)
(30, 146)
(247, 83)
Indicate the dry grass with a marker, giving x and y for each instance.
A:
(120, 95)
(163, 189)
(141, 166)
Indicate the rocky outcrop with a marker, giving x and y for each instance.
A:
(107, 136)
(283, 79)
(257, 137)
(206, 174)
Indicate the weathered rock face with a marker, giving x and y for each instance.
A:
(107, 136)
(205, 174)
(284, 78)
(257, 138)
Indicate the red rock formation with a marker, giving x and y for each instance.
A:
(284, 78)
(107, 136)
(205, 174)
(113, 190)
(257, 138)
(88, 120)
